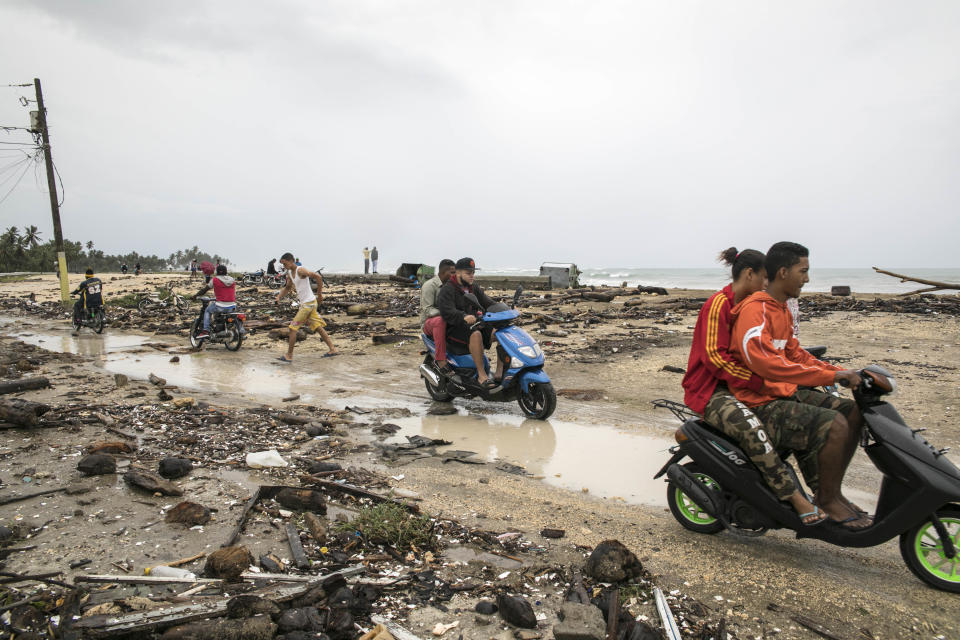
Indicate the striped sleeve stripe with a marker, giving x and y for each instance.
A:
(713, 328)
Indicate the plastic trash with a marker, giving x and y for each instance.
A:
(269, 458)
(163, 571)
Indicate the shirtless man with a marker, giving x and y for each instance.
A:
(298, 279)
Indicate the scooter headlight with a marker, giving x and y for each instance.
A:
(530, 352)
(516, 363)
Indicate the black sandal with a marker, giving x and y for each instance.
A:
(489, 383)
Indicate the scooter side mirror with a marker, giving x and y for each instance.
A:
(879, 381)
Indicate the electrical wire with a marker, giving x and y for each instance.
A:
(63, 192)
(7, 195)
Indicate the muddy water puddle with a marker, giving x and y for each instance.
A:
(252, 374)
(604, 461)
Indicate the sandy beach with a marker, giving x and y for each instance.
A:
(587, 470)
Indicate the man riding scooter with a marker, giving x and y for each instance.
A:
(91, 295)
(461, 314)
(225, 291)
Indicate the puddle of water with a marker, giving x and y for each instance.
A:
(208, 371)
(608, 462)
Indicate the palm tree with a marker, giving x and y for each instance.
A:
(31, 236)
(89, 245)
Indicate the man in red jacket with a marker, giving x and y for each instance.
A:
(712, 372)
(821, 429)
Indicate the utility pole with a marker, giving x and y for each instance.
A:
(54, 200)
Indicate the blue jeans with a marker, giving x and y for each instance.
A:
(211, 309)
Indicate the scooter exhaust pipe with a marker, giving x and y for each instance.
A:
(427, 372)
(695, 489)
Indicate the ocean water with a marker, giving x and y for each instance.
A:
(859, 280)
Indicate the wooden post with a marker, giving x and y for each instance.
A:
(54, 200)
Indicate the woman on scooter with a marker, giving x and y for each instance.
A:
(712, 370)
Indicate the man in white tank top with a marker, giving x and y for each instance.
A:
(298, 279)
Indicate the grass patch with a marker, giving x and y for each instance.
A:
(128, 301)
(14, 278)
(391, 524)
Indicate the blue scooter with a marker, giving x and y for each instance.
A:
(524, 379)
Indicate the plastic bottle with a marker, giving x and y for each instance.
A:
(163, 571)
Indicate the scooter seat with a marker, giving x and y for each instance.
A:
(726, 440)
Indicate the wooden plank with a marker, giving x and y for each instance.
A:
(247, 575)
(296, 547)
(108, 625)
(243, 517)
(395, 630)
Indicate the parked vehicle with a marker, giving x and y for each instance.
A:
(276, 280)
(253, 277)
(524, 380)
(226, 327)
(919, 496)
(91, 317)
(153, 302)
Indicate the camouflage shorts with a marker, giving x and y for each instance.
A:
(801, 423)
(736, 420)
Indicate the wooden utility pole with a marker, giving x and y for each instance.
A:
(54, 200)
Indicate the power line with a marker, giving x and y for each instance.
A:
(27, 163)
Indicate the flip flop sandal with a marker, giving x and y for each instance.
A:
(284, 359)
(489, 384)
(816, 512)
(845, 523)
(329, 355)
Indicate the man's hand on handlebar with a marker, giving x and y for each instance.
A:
(847, 378)
(470, 319)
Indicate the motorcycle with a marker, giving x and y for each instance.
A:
(254, 277)
(91, 317)
(153, 302)
(919, 499)
(524, 379)
(226, 327)
(275, 280)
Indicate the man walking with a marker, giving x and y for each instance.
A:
(374, 256)
(366, 261)
(298, 279)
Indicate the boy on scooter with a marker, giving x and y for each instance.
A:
(225, 291)
(821, 429)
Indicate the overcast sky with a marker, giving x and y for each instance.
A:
(641, 134)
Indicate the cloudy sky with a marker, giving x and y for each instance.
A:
(643, 134)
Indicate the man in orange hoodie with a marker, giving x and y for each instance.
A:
(821, 429)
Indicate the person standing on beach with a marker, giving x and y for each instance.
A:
(366, 260)
(374, 256)
(193, 269)
(298, 279)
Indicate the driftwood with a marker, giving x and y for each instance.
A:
(103, 626)
(934, 285)
(27, 496)
(21, 413)
(23, 384)
(246, 575)
(390, 338)
(349, 489)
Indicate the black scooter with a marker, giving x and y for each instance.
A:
(225, 327)
(919, 495)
